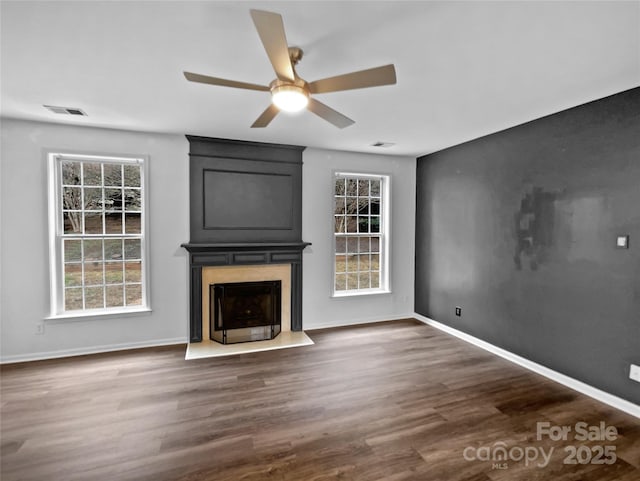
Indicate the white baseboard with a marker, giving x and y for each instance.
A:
(354, 322)
(40, 356)
(602, 396)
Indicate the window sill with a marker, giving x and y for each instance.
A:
(370, 292)
(97, 314)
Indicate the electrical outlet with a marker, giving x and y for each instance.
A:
(40, 329)
(634, 372)
(458, 311)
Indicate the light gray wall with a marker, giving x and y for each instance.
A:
(24, 280)
(570, 301)
(319, 308)
(24, 241)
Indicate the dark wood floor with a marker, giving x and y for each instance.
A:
(390, 401)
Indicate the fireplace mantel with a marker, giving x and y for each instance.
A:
(244, 253)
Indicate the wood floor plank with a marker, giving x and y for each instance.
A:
(393, 401)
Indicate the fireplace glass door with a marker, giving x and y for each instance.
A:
(244, 311)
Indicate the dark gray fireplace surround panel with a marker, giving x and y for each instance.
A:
(519, 229)
(245, 209)
(244, 191)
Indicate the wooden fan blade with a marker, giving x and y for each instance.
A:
(266, 117)
(205, 79)
(271, 31)
(373, 77)
(328, 114)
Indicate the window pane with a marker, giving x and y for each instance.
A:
(363, 205)
(94, 298)
(341, 282)
(132, 200)
(352, 187)
(93, 250)
(339, 207)
(93, 273)
(351, 205)
(72, 198)
(72, 222)
(113, 272)
(364, 244)
(352, 281)
(72, 275)
(113, 223)
(70, 173)
(375, 244)
(341, 264)
(92, 173)
(132, 176)
(73, 299)
(340, 186)
(352, 245)
(352, 224)
(132, 249)
(375, 262)
(363, 187)
(112, 249)
(375, 207)
(341, 244)
(115, 296)
(72, 250)
(132, 223)
(113, 174)
(375, 280)
(375, 224)
(375, 188)
(92, 198)
(364, 262)
(93, 223)
(133, 272)
(364, 279)
(363, 224)
(339, 224)
(113, 199)
(134, 294)
(352, 263)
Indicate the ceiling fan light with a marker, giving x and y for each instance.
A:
(289, 98)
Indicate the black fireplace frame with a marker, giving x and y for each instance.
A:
(212, 255)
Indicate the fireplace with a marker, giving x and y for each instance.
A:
(245, 216)
(244, 311)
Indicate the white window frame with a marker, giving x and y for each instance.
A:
(56, 236)
(385, 234)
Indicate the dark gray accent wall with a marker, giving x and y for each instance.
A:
(519, 229)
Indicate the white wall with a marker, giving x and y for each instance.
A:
(24, 242)
(24, 263)
(319, 308)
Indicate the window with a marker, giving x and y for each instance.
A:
(360, 231)
(97, 213)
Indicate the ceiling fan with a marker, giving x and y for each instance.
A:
(289, 92)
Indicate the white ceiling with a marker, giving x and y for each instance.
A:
(465, 69)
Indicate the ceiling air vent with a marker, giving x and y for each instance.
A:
(65, 110)
(384, 145)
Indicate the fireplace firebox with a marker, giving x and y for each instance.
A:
(245, 311)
